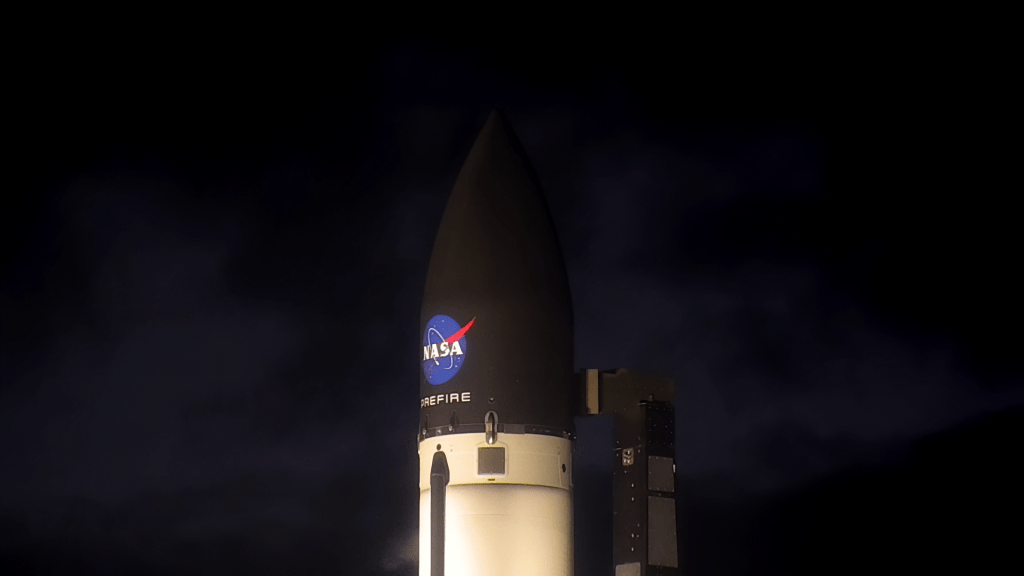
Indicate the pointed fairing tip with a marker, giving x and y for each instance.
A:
(497, 129)
(497, 223)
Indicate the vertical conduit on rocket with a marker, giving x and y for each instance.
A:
(439, 477)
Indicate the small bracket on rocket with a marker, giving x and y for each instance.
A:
(491, 427)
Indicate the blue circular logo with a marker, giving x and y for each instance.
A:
(444, 348)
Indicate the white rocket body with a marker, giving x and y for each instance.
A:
(518, 523)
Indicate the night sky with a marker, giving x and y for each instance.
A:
(215, 240)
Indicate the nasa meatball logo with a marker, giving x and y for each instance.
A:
(444, 348)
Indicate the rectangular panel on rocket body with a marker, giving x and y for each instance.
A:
(490, 461)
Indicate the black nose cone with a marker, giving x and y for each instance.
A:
(496, 316)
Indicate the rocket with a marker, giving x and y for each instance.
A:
(498, 394)
(497, 388)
